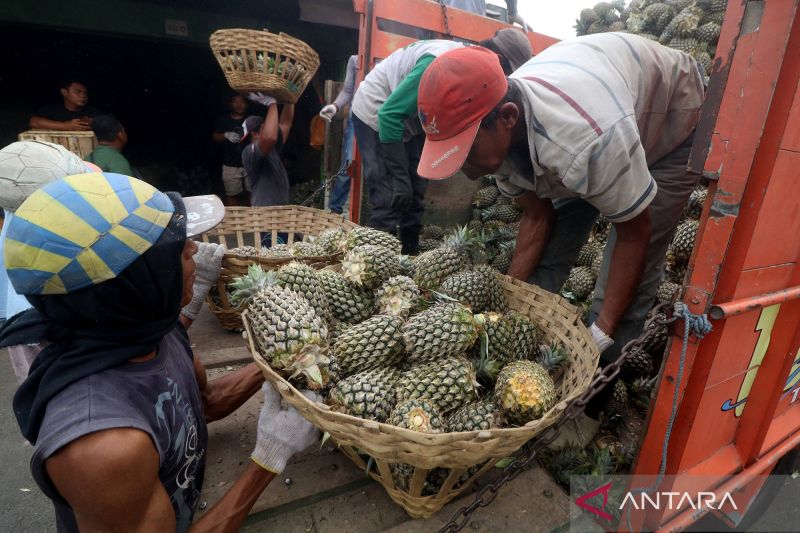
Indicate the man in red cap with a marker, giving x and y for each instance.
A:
(597, 124)
(384, 120)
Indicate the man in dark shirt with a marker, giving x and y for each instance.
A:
(268, 179)
(73, 114)
(228, 132)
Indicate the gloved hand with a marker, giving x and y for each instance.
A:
(232, 137)
(282, 432)
(328, 112)
(261, 98)
(208, 259)
(519, 20)
(600, 338)
(396, 161)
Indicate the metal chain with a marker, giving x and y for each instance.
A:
(329, 182)
(446, 22)
(603, 377)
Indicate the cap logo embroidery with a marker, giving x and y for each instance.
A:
(432, 128)
(445, 155)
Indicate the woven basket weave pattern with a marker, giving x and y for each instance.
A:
(388, 444)
(254, 60)
(245, 226)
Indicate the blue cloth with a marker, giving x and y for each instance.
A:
(11, 303)
(341, 187)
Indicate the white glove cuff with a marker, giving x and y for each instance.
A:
(199, 292)
(600, 338)
(272, 455)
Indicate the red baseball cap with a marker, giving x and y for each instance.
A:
(457, 90)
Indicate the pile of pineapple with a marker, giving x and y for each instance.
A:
(425, 343)
(691, 26)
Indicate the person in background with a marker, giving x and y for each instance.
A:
(269, 182)
(24, 167)
(341, 184)
(111, 139)
(73, 113)
(389, 135)
(117, 404)
(228, 132)
(479, 8)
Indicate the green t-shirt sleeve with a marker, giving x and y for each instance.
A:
(401, 104)
(120, 165)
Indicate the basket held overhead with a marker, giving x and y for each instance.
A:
(255, 60)
(458, 459)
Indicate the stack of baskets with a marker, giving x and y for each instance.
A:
(254, 60)
(245, 226)
(466, 456)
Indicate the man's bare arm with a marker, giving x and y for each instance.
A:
(538, 217)
(626, 270)
(76, 124)
(224, 395)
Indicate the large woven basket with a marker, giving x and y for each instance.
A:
(245, 226)
(255, 60)
(461, 453)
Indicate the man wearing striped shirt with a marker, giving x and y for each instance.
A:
(601, 124)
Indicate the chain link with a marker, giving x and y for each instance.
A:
(444, 17)
(329, 182)
(488, 493)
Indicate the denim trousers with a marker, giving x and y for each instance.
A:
(341, 185)
(574, 221)
(379, 182)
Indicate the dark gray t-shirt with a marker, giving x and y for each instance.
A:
(160, 397)
(269, 182)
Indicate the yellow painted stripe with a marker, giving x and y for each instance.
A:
(133, 241)
(21, 255)
(94, 266)
(97, 191)
(54, 286)
(159, 218)
(143, 191)
(48, 213)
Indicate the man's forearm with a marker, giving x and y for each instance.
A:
(625, 273)
(41, 123)
(230, 512)
(224, 395)
(537, 221)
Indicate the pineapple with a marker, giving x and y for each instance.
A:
(524, 391)
(713, 5)
(474, 416)
(527, 335)
(684, 24)
(658, 341)
(714, 16)
(475, 226)
(426, 245)
(642, 391)
(397, 296)
(601, 229)
(289, 335)
(367, 394)
(486, 197)
(552, 357)
(331, 240)
(656, 17)
(709, 32)
(471, 288)
(580, 282)
(347, 302)
(694, 207)
(406, 266)
(683, 241)
(443, 330)
(597, 263)
(497, 301)
(249, 285)
(615, 408)
(448, 383)
(277, 251)
(361, 236)
(705, 60)
(638, 364)
(502, 212)
(303, 280)
(432, 232)
(377, 342)
(667, 292)
(243, 250)
(369, 265)
(432, 267)
(687, 45)
(418, 414)
(502, 260)
(500, 339)
(307, 249)
(588, 252)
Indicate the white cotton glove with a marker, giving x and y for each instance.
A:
(600, 338)
(261, 98)
(232, 137)
(209, 264)
(282, 432)
(328, 112)
(519, 20)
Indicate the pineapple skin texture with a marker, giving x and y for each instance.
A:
(448, 383)
(524, 392)
(438, 332)
(374, 343)
(367, 394)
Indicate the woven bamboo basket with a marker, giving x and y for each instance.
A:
(245, 226)
(466, 455)
(255, 60)
(81, 143)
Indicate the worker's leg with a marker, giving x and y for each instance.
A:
(574, 220)
(232, 181)
(379, 183)
(411, 219)
(341, 187)
(675, 184)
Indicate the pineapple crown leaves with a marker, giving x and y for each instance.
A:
(249, 285)
(552, 357)
(466, 242)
